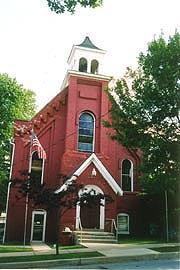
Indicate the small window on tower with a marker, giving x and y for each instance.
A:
(83, 64)
(94, 66)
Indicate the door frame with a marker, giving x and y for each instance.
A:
(39, 212)
(102, 207)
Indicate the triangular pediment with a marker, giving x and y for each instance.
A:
(100, 167)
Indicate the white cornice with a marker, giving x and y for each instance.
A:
(82, 75)
(101, 168)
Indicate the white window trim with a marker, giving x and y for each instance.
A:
(30, 164)
(97, 71)
(123, 215)
(93, 144)
(82, 57)
(40, 212)
(131, 174)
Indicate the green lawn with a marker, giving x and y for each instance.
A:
(49, 257)
(167, 249)
(16, 248)
(5, 249)
(67, 247)
(139, 241)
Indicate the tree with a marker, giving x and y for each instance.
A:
(60, 202)
(60, 6)
(145, 114)
(16, 103)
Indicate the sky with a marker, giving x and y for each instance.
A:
(35, 42)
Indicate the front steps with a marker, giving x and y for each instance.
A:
(95, 236)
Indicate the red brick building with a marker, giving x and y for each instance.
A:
(70, 130)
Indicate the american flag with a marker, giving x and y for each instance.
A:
(36, 146)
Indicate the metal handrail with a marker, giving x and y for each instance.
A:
(113, 225)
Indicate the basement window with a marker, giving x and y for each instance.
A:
(123, 223)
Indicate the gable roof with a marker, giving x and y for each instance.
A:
(101, 168)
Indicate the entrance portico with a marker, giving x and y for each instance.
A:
(98, 212)
(92, 218)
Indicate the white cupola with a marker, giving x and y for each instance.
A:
(86, 58)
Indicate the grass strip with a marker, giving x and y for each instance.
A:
(138, 241)
(167, 249)
(72, 247)
(67, 247)
(14, 249)
(50, 257)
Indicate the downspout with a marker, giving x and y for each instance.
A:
(9, 186)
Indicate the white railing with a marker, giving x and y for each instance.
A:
(79, 226)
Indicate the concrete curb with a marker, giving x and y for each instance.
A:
(88, 261)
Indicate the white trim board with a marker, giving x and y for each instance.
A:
(101, 168)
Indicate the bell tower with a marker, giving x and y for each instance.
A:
(86, 58)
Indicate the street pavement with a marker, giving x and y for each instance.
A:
(163, 264)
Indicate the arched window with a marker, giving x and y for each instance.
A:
(83, 64)
(94, 66)
(86, 133)
(37, 165)
(127, 175)
(123, 223)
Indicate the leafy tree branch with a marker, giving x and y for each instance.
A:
(61, 6)
(145, 113)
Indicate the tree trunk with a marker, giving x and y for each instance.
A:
(166, 216)
(57, 247)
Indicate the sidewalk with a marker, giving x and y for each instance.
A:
(126, 249)
(111, 252)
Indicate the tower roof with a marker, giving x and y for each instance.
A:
(88, 44)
